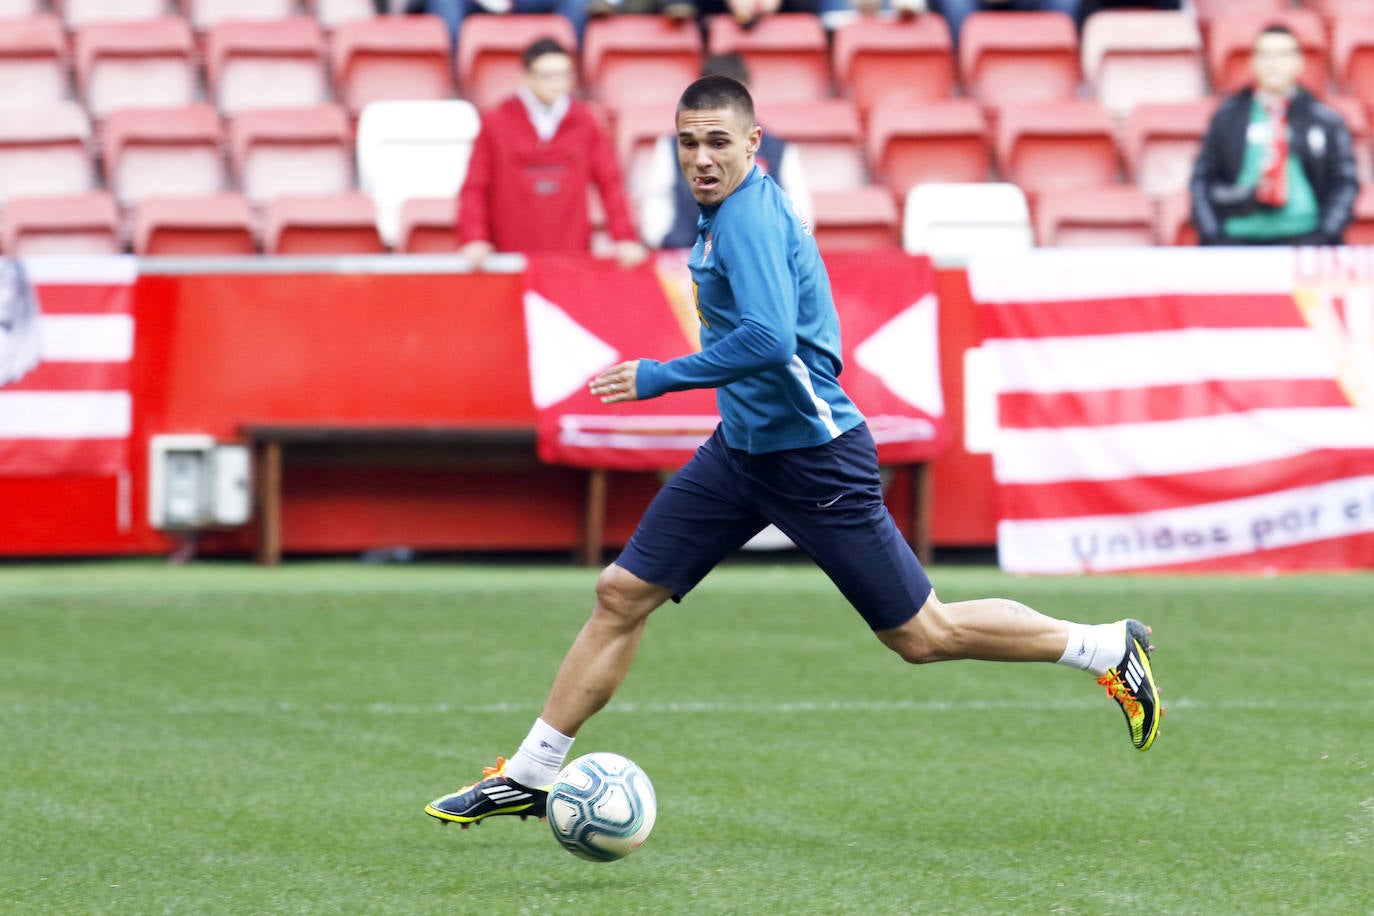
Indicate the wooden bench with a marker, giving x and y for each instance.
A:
(467, 447)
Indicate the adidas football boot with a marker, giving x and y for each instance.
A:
(1132, 684)
(492, 795)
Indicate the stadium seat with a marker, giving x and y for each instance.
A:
(45, 151)
(855, 218)
(21, 9)
(828, 136)
(636, 58)
(951, 222)
(1361, 228)
(910, 143)
(136, 65)
(390, 57)
(275, 64)
(1046, 145)
(33, 64)
(1352, 112)
(1018, 57)
(1352, 54)
(332, 12)
(204, 14)
(80, 13)
(1161, 143)
(1134, 57)
(1232, 39)
(1174, 221)
(70, 224)
(1112, 216)
(163, 151)
(1256, 10)
(216, 224)
(305, 224)
(291, 150)
(489, 48)
(413, 149)
(786, 53)
(428, 226)
(877, 59)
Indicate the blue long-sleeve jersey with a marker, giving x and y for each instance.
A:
(769, 332)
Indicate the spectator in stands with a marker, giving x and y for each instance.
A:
(1276, 166)
(526, 186)
(453, 11)
(746, 12)
(956, 11)
(668, 212)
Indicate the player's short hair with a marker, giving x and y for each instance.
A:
(539, 48)
(1277, 28)
(711, 92)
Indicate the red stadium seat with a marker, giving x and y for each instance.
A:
(45, 151)
(73, 224)
(633, 59)
(390, 57)
(1352, 54)
(1174, 222)
(275, 64)
(826, 134)
(1161, 144)
(136, 65)
(291, 151)
(1113, 216)
(1048, 145)
(33, 61)
(428, 226)
(1256, 10)
(947, 141)
(1018, 57)
(163, 152)
(216, 224)
(205, 14)
(1134, 57)
(1232, 39)
(79, 13)
(786, 53)
(855, 218)
(489, 49)
(322, 224)
(904, 59)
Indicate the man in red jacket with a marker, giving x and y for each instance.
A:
(526, 186)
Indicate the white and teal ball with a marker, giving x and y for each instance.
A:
(602, 807)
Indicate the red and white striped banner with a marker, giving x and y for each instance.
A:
(1203, 409)
(66, 344)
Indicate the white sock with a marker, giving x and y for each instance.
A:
(540, 757)
(1094, 647)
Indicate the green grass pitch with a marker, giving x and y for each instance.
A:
(220, 738)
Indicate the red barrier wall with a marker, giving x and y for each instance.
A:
(215, 351)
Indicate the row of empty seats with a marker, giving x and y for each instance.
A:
(202, 14)
(1126, 57)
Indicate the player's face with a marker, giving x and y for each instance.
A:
(550, 77)
(1277, 63)
(715, 148)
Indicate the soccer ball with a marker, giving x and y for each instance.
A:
(602, 807)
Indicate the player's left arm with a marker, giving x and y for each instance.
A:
(753, 252)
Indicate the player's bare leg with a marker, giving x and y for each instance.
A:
(999, 629)
(591, 672)
(601, 654)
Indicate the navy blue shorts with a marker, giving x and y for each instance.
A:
(827, 499)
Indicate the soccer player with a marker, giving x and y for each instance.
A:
(791, 449)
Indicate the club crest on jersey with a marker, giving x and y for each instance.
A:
(706, 249)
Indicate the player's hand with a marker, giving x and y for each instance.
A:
(616, 384)
(477, 253)
(630, 253)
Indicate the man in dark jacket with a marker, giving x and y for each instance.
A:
(1276, 166)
